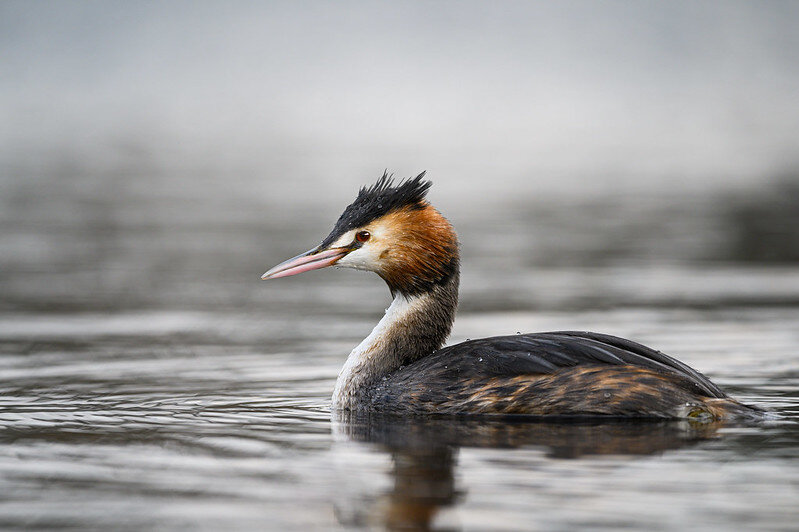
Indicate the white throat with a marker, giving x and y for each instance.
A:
(371, 359)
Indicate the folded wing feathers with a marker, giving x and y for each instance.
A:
(547, 352)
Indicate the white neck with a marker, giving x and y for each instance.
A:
(367, 363)
(413, 327)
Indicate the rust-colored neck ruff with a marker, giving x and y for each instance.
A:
(423, 255)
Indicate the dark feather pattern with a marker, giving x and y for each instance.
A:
(378, 200)
(557, 373)
(522, 354)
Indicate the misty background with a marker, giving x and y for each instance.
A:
(623, 167)
(153, 153)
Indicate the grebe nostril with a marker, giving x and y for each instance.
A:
(401, 368)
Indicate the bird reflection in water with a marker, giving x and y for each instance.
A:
(424, 454)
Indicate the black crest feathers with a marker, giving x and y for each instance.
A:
(379, 199)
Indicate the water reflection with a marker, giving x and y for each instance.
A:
(424, 454)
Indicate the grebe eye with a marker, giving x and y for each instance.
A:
(362, 236)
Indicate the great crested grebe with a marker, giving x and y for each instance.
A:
(400, 368)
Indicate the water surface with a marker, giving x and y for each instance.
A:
(149, 380)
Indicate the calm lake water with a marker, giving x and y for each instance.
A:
(149, 380)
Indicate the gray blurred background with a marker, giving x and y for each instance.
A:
(625, 167)
(164, 154)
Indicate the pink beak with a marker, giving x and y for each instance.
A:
(305, 262)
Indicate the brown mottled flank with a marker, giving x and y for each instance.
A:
(622, 391)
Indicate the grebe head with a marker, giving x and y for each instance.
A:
(389, 229)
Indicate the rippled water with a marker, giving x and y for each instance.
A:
(149, 380)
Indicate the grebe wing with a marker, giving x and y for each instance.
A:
(543, 353)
